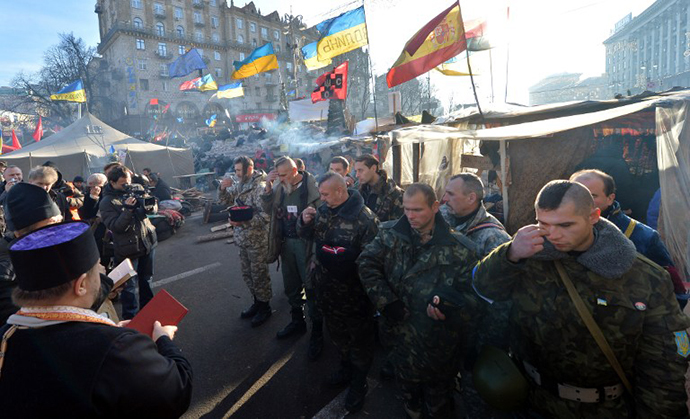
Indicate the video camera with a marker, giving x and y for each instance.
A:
(144, 199)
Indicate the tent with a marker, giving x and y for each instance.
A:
(87, 145)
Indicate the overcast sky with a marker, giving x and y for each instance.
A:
(546, 36)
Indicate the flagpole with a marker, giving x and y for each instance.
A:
(371, 70)
(505, 96)
(491, 72)
(469, 67)
(79, 112)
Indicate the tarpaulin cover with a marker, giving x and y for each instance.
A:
(303, 110)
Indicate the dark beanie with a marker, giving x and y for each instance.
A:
(53, 255)
(77, 179)
(27, 204)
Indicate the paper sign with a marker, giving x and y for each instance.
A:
(292, 209)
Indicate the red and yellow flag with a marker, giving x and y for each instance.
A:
(437, 42)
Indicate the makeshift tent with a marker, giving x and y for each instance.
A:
(86, 145)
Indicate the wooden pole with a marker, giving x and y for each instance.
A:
(504, 181)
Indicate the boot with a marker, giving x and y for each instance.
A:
(354, 400)
(262, 313)
(387, 371)
(342, 377)
(315, 341)
(296, 327)
(251, 311)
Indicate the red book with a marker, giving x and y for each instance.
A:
(164, 308)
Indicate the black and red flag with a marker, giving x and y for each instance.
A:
(331, 85)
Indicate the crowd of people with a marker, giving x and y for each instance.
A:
(582, 304)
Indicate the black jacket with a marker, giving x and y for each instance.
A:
(88, 370)
(133, 234)
(162, 191)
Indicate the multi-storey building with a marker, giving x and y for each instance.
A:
(651, 51)
(140, 38)
(566, 87)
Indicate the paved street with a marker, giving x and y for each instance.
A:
(241, 372)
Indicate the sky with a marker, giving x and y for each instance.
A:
(542, 37)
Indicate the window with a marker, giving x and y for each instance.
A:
(254, 42)
(138, 23)
(269, 76)
(164, 70)
(219, 72)
(144, 84)
(257, 91)
(179, 31)
(216, 55)
(264, 33)
(136, 4)
(213, 3)
(160, 29)
(277, 47)
(252, 26)
(214, 21)
(215, 37)
(288, 65)
(241, 56)
(140, 44)
(198, 18)
(165, 85)
(200, 51)
(276, 35)
(178, 13)
(240, 23)
(141, 64)
(158, 9)
(240, 39)
(162, 49)
(199, 36)
(181, 50)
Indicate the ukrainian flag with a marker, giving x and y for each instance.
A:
(260, 60)
(311, 59)
(207, 83)
(342, 34)
(72, 93)
(230, 91)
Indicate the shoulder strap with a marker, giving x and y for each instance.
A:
(483, 226)
(592, 326)
(631, 227)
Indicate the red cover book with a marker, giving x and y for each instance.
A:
(164, 308)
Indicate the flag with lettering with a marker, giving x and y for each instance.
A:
(332, 85)
(342, 34)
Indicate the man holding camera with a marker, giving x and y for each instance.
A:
(123, 209)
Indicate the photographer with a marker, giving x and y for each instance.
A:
(123, 209)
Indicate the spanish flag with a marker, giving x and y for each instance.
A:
(311, 58)
(229, 91)
(72, 93)
(260, 60)
(437, 42)
(342, 34)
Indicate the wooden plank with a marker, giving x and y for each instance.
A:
(220, 227)
(214, 236)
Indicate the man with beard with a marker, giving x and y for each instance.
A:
(340, 228)
(251, 236)
(61, 359)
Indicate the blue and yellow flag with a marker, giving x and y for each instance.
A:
(342, 34)
(72, 93)
(207, 83)
(260, 60)
(311, 58)
(211, 121)
(230, 91)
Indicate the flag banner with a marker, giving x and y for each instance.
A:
(230, 91)
(165, 109)
(332, 84)
(342, 34)
(73, 93)
(311, 58)
(153, 101)
(443, 42)
(186, 64)
(211, 121)
(38, 133)
(260, 60)
(15, 141)
(457, 66)
(207, 83)
(192, 84)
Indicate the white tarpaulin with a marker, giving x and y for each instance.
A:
(303, 110)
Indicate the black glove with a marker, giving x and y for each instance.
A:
(395, 311)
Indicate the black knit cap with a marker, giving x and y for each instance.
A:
(53, 255)
(28, 204)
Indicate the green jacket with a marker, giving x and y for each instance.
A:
(632, 301)
(254, 232)
(384, 198)
(396, 266)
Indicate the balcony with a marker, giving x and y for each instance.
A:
(159, 14)
(199, 24)
(198, 4)
(271, 98)
(164, 55)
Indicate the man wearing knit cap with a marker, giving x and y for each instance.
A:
(60, 359)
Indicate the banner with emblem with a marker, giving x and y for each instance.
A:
(332, 85)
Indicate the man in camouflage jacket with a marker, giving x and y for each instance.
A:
(339, 229)
(630, 298)
(380, 193)
(411, 260)
(251, 236)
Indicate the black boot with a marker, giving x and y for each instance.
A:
(296, 327)
(342, 377)
(315, 341)
(354, 400)
(251, 311)
(262, 313)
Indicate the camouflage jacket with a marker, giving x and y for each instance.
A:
(396, 266)
(384, 198)
(632, 301)
(254, 232)
(350, 228)
(483, 229)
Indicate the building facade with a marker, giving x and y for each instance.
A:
(140, 38)
(566, 87)
(651, 51)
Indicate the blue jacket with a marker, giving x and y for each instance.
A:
(647, 241)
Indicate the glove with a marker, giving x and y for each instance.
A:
(396, 311)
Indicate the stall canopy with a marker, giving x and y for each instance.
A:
(85, 146)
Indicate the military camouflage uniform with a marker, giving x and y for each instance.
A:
(384, 198)
(252, 236)
(340, 296)
(426, 353)
(632, 301)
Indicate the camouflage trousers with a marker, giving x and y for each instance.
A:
(430, 400)
(255, 272)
